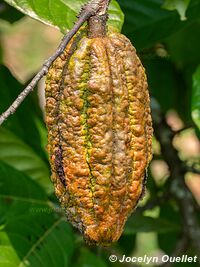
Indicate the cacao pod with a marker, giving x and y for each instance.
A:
(99, 132)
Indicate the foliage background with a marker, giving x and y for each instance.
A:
(33, 229)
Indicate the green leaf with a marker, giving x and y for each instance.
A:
(179, 45)
(163, 86)
(22, 122)
(167, 241)
(180, 5)
(168, 86)
(16, 153)
(88, 259)
(14, 183)
(17, 193)
(62, 13)
(29, 234)
(196, 98)
(139, 223)
(146, 22)
(37, 240)
(126, 244)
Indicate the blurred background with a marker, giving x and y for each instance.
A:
(167, 39)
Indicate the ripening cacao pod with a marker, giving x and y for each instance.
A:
(99, 131)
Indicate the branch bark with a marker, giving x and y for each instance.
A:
(94, 7)
(178, 189)
(192, 169)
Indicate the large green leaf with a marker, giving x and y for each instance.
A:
(17, 193)
(16, 153)
(179, 45)
(22, 122)
(146, 22)
(62, 13)
(163, 86)
(126, 244)
(169, 86)
(36, 240)
(88, 259)
(139, 223)
(196, 98)
(30, 235)
(167, 241)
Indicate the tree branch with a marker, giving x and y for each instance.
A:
(157, 201)
(192, 169)
(94, 7)
(186, 127)
(179, 189)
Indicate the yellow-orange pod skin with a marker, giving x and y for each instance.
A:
(99, 133)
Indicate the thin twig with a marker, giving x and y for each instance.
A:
(92, 8)
(157, 201)
(186, 127)
(192, 169)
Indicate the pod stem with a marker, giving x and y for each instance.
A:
(97, 22)
(97, 26)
